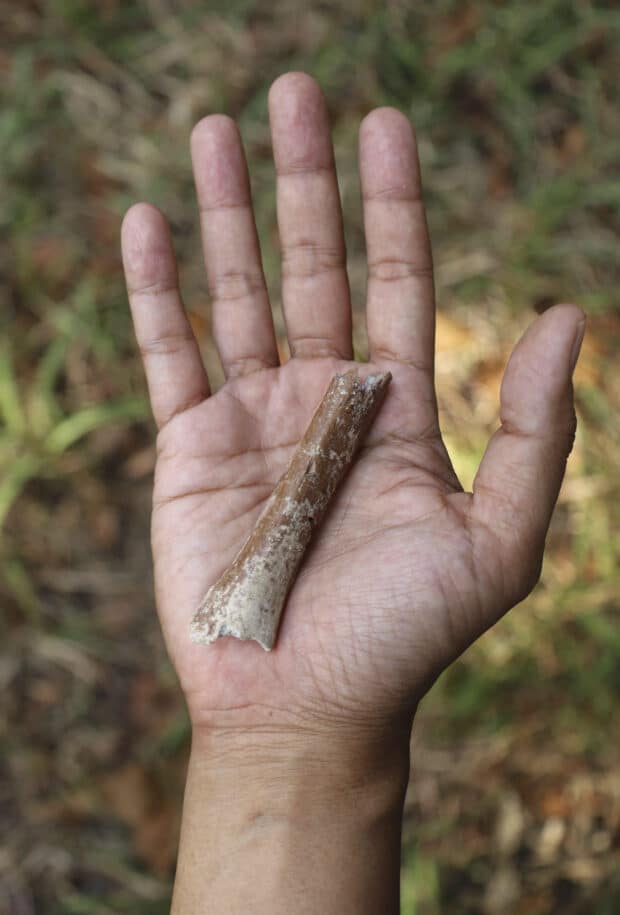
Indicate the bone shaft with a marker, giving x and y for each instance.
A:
(248, 600)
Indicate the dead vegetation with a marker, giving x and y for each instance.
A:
(515, 806)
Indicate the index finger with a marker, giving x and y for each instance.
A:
(174, 369)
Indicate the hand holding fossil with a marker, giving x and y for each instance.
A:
(407, 569)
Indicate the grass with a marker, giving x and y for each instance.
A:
(518, 134)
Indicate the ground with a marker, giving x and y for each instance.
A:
(515, 802)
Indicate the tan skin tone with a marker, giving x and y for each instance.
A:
(407, 569)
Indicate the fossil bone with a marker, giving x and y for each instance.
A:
(248, 599)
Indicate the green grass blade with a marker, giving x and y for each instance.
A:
(24, 469)
(75, 427)
(11, 409)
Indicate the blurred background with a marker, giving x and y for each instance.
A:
(515, 803)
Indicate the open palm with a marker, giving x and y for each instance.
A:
(406, 569)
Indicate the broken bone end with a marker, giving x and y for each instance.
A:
(207, 633)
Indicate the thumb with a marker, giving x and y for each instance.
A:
(519, 478)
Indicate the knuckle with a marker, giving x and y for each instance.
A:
(245, 365)
(386, 353)
(304, 165)
(309, 346)
(165, 345)
(393, 270)
(154, 288)
(396, 194)
(307, 257)
(232, 285)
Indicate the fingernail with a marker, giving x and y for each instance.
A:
(574, 355)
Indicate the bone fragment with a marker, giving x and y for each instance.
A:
(248, 600)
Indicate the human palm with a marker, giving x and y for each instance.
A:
(406, 569)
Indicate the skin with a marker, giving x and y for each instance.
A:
(406, 571)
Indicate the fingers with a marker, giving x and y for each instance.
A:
(241, 314)
(519, 478)
(315, 289)
(174, 370)
(400, 303)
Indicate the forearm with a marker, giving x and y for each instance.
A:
(290, 832)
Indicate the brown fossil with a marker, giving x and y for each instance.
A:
(248, 599)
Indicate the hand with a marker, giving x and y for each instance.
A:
(299, 761)
(407, 569)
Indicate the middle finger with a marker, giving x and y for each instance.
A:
(315, 287)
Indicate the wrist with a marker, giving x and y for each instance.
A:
(296, 761)
(293, 773)
(267, 814)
